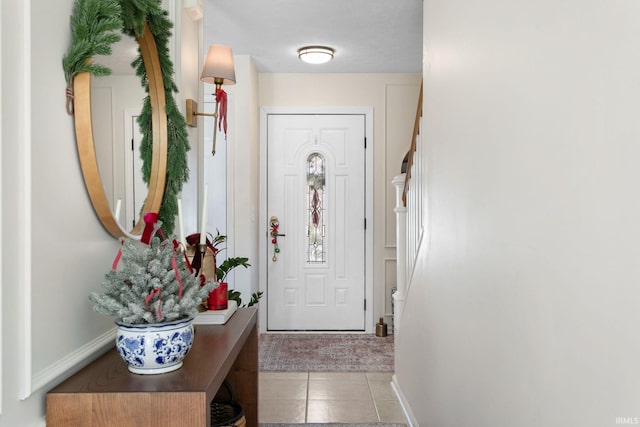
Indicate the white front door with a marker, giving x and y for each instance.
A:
(316, 192)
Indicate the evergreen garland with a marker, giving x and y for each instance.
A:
(135, 13)
(145, 288)
(93, 23)
(95, 26)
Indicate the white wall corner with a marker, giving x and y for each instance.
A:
(1, 274)
(24, 207)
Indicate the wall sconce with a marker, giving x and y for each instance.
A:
(316, 54)
(218, 69)
(193, 8)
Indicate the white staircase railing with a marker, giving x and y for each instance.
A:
(410, 213)
(401, 253)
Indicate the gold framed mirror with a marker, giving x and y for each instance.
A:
(95, 26)
(86, 147)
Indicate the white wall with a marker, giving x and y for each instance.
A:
(54, 249)
(55, 246)
(523, 309)
(394, 100)
(189, 58)
(243, 150)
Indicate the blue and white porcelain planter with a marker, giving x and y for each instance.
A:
(155, 348)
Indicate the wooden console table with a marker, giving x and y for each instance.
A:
(105, 393)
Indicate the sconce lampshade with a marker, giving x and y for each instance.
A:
(219, 65)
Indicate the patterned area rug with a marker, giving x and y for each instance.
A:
(325, 353)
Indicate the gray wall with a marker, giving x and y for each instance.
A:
(523, 309)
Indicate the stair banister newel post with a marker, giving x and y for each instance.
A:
(401, 252)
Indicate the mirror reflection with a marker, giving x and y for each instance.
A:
(116, 101)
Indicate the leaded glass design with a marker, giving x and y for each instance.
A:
(315, 208)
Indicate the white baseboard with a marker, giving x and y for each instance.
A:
(76, 360)
(408, 413)
(42, 422)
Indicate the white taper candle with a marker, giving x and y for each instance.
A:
(183, 240)
(203, 222)
(116, 215)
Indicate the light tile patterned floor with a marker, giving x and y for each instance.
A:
(328, 397)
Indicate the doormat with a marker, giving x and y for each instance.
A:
(325, 353)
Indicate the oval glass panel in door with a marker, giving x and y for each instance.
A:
(315, 208)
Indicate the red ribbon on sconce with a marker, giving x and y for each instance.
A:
(221, 99)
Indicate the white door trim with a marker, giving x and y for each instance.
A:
(263, 218)
(126, 218)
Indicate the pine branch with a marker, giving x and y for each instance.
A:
(95, 26)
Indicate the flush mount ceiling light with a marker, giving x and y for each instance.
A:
(315, 54)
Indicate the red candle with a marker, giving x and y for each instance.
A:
(218, 298)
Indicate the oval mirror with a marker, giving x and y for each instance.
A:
(103, 205)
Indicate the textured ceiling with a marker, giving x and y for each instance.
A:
(369, 36)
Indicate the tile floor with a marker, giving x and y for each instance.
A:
(327, 397)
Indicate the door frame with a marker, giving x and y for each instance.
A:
(129, 175)
(263, 217)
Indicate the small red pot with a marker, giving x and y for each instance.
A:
(218, 298)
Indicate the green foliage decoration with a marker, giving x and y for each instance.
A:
(94, 26)
(236, 296)
(145, 287)
(229, 263)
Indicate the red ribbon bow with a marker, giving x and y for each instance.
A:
(150, 220)
(221, 99)
(157, 292)
(196, 262)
